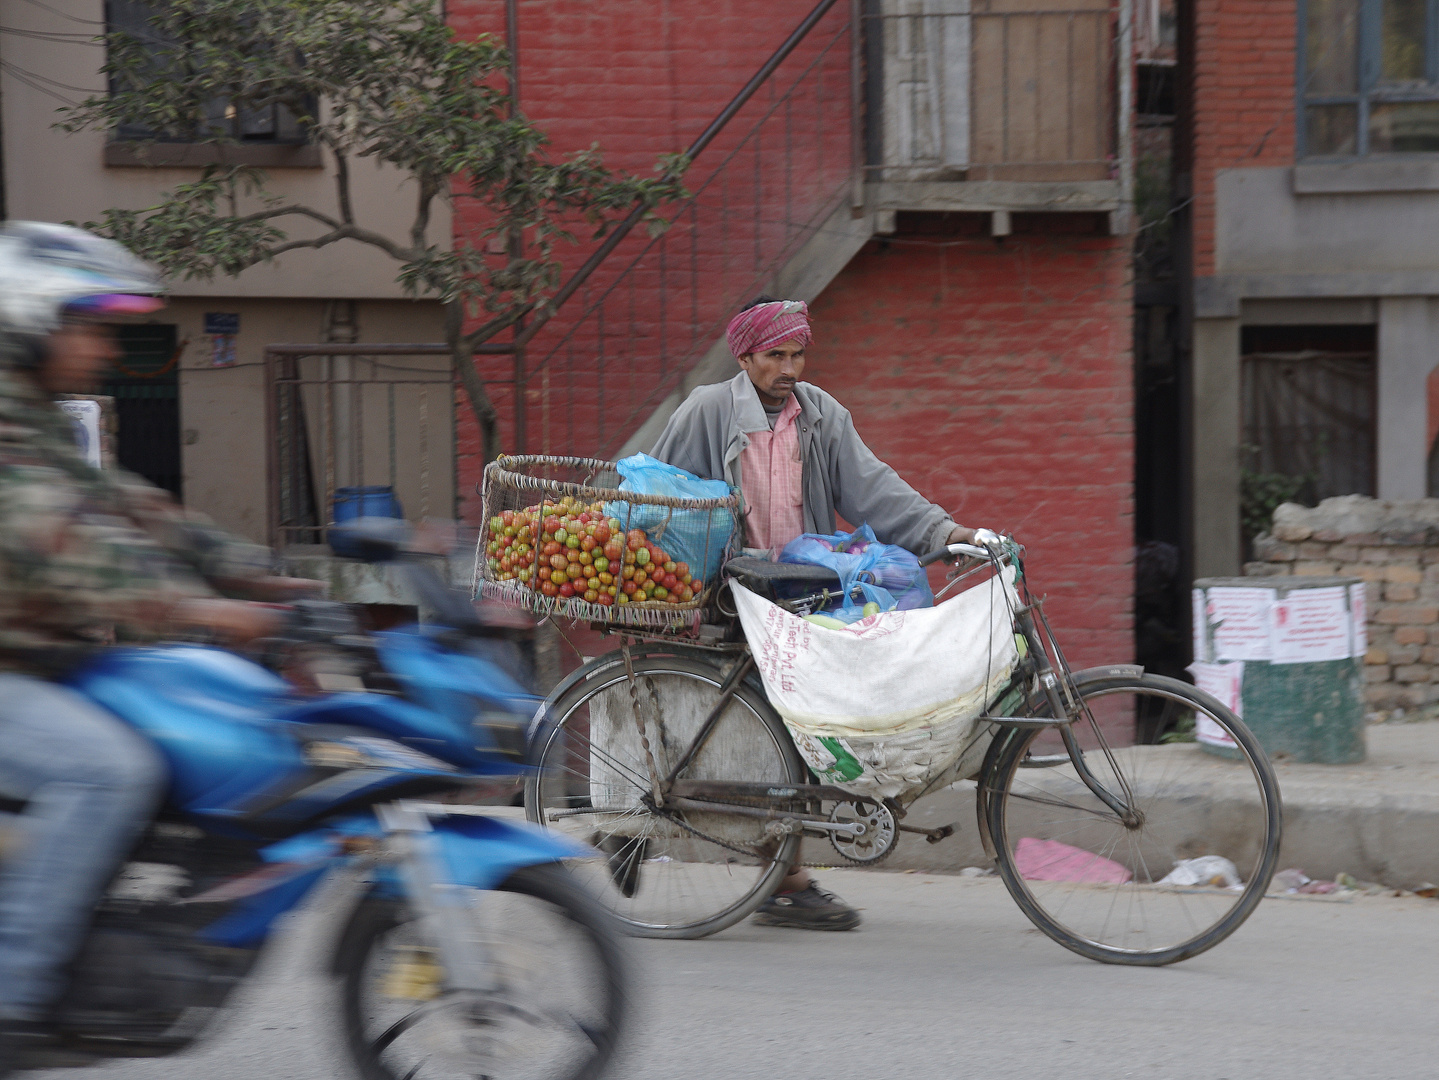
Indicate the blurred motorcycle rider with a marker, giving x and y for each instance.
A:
(86, 557)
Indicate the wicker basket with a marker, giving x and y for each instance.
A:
(534, 488)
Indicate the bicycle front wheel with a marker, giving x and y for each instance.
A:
(666, 873)
(1116, 879)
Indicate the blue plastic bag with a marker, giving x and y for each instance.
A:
(883, 574)
(697, 537)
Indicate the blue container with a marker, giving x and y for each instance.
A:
(357, 502)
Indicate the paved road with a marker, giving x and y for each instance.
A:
(947, 980)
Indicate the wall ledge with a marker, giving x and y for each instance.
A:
(1372, 175)
(151, 155)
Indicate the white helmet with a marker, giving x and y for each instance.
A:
(47, 270)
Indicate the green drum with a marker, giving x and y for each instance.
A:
(1287, 654)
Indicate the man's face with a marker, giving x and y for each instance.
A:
(775, 371)
(77, 357)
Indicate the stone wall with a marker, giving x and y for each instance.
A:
(1394, 548)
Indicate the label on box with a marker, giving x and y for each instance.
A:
(1240, 621)
(1311, 626)
(1358, 617)
(1225, 682)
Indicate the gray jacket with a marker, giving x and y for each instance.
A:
(709, 431)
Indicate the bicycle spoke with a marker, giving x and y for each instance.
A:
(1136, 920)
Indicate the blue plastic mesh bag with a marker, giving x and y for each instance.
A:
(697, 537)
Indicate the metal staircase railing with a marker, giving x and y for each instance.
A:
(788, 159)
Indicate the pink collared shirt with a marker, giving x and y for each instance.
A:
(771, 480)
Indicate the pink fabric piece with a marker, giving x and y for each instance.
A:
(772, 482)
(1049, 860)
(767, 325)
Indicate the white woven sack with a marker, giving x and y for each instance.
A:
(887, 705)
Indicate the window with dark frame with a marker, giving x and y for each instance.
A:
(270, 125)
(1368, 77)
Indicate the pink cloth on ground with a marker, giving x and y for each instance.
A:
(772, 482)
(1049, 860)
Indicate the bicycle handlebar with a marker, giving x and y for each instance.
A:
(952, 551)
(987, 545)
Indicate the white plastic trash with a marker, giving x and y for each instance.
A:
(1211, 870)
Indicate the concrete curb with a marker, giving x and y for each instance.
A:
(1377, 820)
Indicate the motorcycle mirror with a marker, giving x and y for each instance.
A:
(370, 539)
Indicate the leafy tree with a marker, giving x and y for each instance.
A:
(384, 81)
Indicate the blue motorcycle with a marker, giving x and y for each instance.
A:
(470, 953)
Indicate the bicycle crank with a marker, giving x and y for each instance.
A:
(878, 835)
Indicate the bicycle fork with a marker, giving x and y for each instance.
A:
(440, 905)
(1064, 717)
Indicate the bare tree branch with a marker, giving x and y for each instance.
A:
(429, 188)
(342, 187)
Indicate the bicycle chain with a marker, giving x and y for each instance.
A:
(659, 808)
(640, 724)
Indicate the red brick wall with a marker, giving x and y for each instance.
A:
(1244, 114)
(995, 377)
(642, 78)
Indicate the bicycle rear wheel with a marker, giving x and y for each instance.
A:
(667, 873)
(1091, 876)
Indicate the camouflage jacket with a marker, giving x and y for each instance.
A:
(88, 556)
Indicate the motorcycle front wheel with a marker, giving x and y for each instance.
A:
(556, 1012)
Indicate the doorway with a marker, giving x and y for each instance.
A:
(1309, 400)
(146, 387)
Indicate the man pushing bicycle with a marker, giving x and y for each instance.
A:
(793, 453)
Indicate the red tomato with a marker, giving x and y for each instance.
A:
(686, 593)
(635, 539)
(605, 599)
(629, 588)
(588, 543)
(558, 561)
(602, 534)
(567, 590)
(669, 581)
(549, 588)
(681, 569)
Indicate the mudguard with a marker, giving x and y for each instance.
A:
(482, 851)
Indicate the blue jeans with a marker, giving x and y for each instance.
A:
(90, 784)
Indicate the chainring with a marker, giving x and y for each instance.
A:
(879, 837)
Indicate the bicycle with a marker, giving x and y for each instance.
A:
(667, 756)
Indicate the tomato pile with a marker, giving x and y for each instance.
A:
(568, 548)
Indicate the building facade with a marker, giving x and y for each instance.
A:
(191, 388)
(1313, 195)
(947, 184)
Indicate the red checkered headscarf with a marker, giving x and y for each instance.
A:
(767, 325)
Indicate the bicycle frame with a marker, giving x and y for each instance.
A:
(1046, 666)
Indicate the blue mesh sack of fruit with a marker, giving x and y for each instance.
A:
(884, 574)
(698, 537)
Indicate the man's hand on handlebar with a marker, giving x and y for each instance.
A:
(973, 543)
